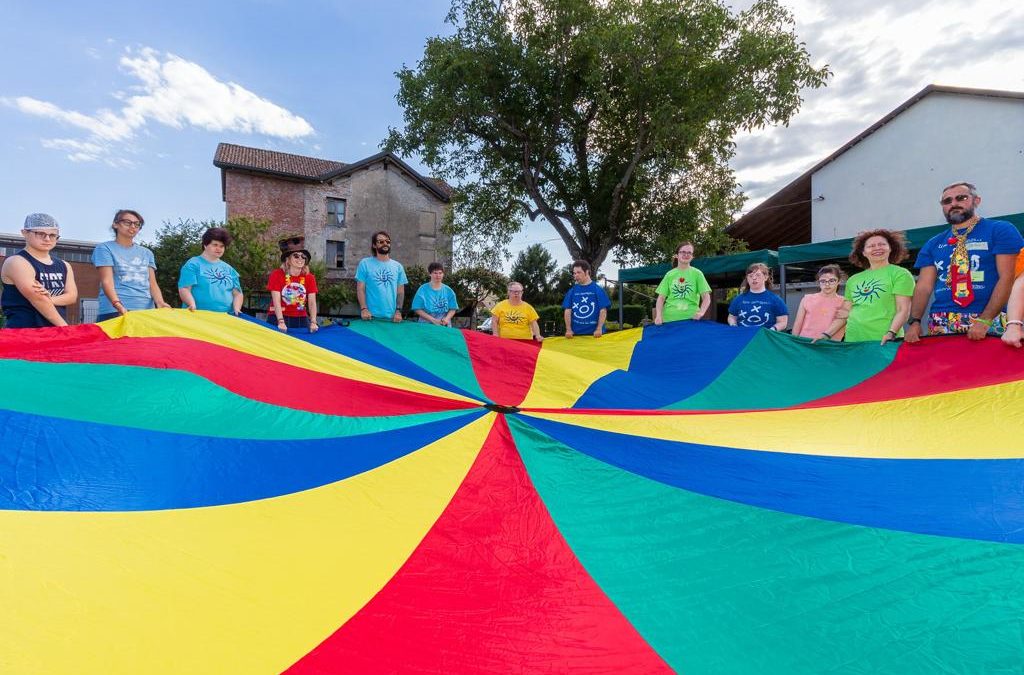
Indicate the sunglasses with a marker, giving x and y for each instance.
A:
(946, 201)
(383, 241)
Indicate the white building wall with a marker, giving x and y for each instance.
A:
(894, 177)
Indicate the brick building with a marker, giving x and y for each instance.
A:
(78, 254)
(337, 206)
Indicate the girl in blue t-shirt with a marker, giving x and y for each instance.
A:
(756, 306)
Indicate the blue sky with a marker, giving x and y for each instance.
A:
(115, 104)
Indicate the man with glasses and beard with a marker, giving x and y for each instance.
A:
(37, 287)
(969, 267)
(380, 282)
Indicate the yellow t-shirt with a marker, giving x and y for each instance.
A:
(514, 321)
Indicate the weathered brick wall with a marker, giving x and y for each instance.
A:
(388, 199)
(265, 198)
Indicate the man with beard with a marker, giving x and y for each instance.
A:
(969, 267)
(380, 282)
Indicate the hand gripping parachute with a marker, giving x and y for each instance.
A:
(193, 493)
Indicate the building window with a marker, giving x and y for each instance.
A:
(335, 255)
(335, 212)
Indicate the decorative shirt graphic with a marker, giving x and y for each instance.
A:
(873, 296)
(682, 290)
(382, 280)
(757, 309)
(988, 239)
(586, 303)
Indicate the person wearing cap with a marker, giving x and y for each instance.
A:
(37, 287)
(127, 271)
(380, 282)
(293, 289)
(206, 281)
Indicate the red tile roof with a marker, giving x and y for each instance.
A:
(257, 159)
(243, 158)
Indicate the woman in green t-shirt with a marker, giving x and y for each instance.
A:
(877, 300)
(683, 293)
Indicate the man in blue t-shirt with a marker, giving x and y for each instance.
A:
(585, 304)
(969, 267)
(380, 282)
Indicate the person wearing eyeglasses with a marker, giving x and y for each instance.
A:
(293, 289)
(37, 286)
(127, 270)
(515, 318)
(380, 282)
(818, 310)
(683, 293)
(969, 267)
(876, 302)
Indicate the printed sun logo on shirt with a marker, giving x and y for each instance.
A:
(383, 276)
(438, 307)
(218, 276)
(867, 292)
(681, 289)
(514, 317)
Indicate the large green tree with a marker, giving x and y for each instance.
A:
(534, 268)
(610, 119)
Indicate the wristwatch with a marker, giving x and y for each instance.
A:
(913, 320)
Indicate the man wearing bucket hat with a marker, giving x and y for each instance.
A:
(293, 288)
(37, 287)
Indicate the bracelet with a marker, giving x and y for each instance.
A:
(913, 320)
(115, 303)
(828, 335)
(891, 331)
(984, 321)
(280, 320)
(363, 309)
(1015, 322)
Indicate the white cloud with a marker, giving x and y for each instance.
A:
(172, 92)
(881, 54)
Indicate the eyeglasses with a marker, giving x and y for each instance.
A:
(46, 235)
(684, 252)
(828, 282)
(130, 223)
(946, 201)
(515, 292)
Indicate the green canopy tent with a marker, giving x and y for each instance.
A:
(807, 258)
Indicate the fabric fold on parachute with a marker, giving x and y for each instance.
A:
(980, 499)
(670, 363)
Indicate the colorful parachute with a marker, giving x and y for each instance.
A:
(193, 493)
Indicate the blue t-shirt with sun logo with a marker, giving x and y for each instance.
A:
(436, 303)
(873, 295)
(382, 279)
